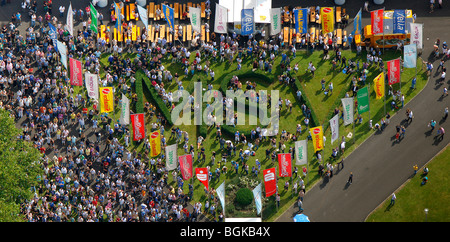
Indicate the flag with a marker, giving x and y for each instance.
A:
(357, 24)
(169, 16)
(417, 35)
(106, 100)
(124, 111)
(327, 16)
(270, 183)
(257, 195)
(118, 11)
(317, 137)
(69, 20)
(334, 126)
(275, 18)
(155, 143)
(195, 16)
(138, 123)
(53, 34)
(247, 22)
(363, 100)
(410, 56)
(221, 195)
(171, 156)
(377, 17)
(202, 176)
(62, 48)
(94, 19)
(76, 77)
(379, 86)
(143, 15)
(262, 11)
(301, 20)
(185, 166)
(393, 67)
(301, 152)
(220, 21)
(399, 21)
(91, 81)
(285, 163)
(348, 105)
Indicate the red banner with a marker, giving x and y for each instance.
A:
(137, 120)
(377, 21)
(186, 166)
(270, 182)
(76, 70)
(202, 176)
(284, 161)
(393, 67)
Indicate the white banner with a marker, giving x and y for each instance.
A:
(220, 23)
(125, 111)
(194, 14)
(229, 5)
(301, 152)
(221, 195)
(262, 11)
(91, 81)
(143, 15)
(417, 35)
(347, 104)
(257, 194)
(69, 20)
(171, 157)
(334, 125)
(62, 48)
(275, 21)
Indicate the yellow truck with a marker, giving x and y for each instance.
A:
(389, 39)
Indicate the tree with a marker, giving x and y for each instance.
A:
(19, 169)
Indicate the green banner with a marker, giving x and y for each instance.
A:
(94, 17)
(363, 100)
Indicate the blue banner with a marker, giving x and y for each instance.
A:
(169, 16)
(119, 17)
(247, 21)
(53, 35)
(410, 56)
(399, 21)
(301, 20)
(357, 24)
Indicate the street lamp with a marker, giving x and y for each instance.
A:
(426, 213)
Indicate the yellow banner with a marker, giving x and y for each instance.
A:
(106, 99)
(317, 137)
(155, 143)
(327, 15)
(379, 85)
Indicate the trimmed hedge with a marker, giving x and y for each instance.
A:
(244, 197)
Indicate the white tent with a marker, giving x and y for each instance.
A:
(243, 220)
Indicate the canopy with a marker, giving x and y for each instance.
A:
(301, 218)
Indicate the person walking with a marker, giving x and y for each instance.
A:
(350, 178)
(393, 198)
(445, 113)
(300, 205)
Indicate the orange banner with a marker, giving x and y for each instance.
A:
(155, 143)
(327, 15)
(106, 99)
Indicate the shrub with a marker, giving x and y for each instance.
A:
(244, 197)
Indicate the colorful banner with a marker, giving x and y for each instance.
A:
(202, 176)
(410, 56)
(334, 126)
(106, 99)
(171, 156)
(357, 24)
(327, 16)
(379, 85)
(301, 152)
(155, 143)
(69, 20)
(285, 163)
(221, 195)
(270, 182)
(185, 166)
(138, 123)
(76, 77)
(393, 67)
(348, 105)
(143, 15)
(247, 22)
(399, 21)
(62, 48)
(195, 16)
(94, 19)
(169, 16)
(124, 111)
(117, 11)
(317, 137)
(275, 21)
(257, 195)
(91, 81)
(377, 21)
(363, 100)
(417, 35)
(301, 20)
(220, 21)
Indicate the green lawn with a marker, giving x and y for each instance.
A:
(413, 197)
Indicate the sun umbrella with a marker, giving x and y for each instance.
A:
(301, 218)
